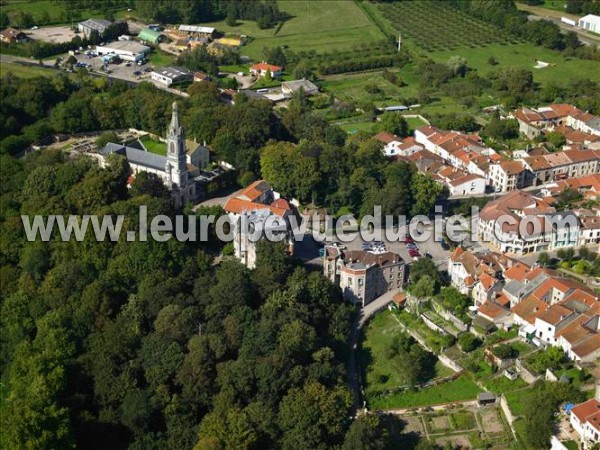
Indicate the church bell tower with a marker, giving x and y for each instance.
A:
(176, 164)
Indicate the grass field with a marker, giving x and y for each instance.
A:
(55, 12)
(321, 26)
(161, 59)
(524, 55)
(25, 71)
(160, 148)
(461, 389)
(381, 372)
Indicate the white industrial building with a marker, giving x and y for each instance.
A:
(126, 50)
(170, 75)
(590, 23)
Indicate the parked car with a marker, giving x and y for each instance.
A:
(137, 73)
(128, 64)
(147, 69)
(35, 27)
(444, 245)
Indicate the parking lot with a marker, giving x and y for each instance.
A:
(124, 70)
(308, 248)
(56, 35)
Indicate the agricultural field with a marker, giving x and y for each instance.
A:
(320, 26)
(461, 389)
(435, 27)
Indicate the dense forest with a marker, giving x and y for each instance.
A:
(148, 345)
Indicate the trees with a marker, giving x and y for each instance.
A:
(544, 259)
(468, 342)
(309, 416)
(393, 122)
(367, 432)
(501, 129)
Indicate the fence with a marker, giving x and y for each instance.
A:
(509, 416)
(431, 324)
(447, 315)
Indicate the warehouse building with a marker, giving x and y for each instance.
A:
(590, 22)
(170, 75)
(87, 26)
(150, 36)
(193, 30)
(126, 50)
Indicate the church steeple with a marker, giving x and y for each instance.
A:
(176, 154)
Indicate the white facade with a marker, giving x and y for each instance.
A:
(170, 75)
(470, 186)
(126, 50)
(590, 22)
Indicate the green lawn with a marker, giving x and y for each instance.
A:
(381, 372)
(235, 68)
(524, 55)
(571, 445)
(321, 26)
(461, 389)
(357, 126)
(502, 385)
(56, 13)
(160, 148)
(517, 399)
(23, 71)
(161, 59)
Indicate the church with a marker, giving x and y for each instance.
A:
(172, 168)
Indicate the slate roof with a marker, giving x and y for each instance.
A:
(135, 155)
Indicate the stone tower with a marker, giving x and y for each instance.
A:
(176, 165)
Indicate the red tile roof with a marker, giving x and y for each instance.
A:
(263, 66)
(586, 409)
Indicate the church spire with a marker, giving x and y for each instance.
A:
(174, 128)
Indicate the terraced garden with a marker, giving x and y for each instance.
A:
(418, 21)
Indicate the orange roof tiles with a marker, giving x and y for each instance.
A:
(586, 409)
(492, 311)
(529, 309)
(263, 66)
(385, 137)
(517, 272)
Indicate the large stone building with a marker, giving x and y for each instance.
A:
(172, 169)
(255, 212)
(363, 275)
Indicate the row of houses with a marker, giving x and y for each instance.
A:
(549, 308)
(520, 223)
(477, 167)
